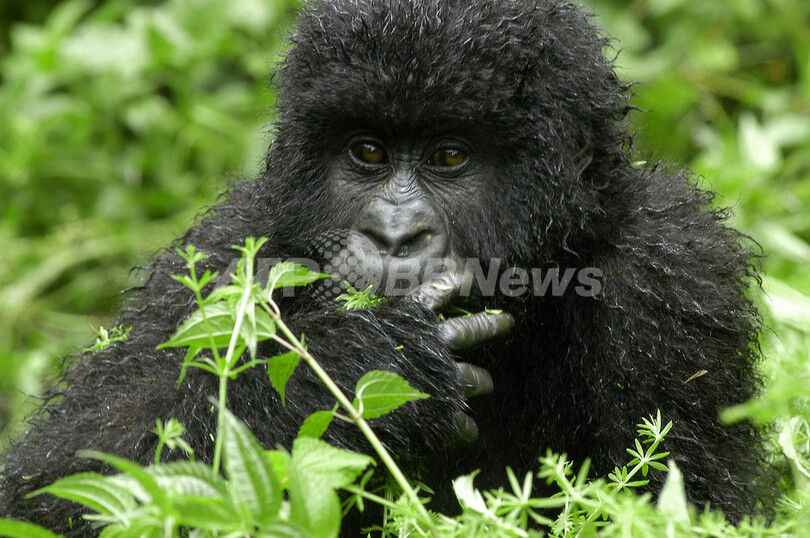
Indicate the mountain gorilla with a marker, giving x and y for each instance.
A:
(486, 131)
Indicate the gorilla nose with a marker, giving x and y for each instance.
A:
(412, 229)
(400, 243)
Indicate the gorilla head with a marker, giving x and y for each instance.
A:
(436, 129)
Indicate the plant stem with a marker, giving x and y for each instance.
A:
(225, 371)
(358, 419)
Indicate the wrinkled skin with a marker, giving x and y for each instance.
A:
(455, 130)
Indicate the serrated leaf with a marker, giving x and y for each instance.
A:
(379, 392)
(315, 470)
(149, 488)
(210, 513)
(251, 479)
(316, 424)
(313, 506)
(193, 332)
(331, 466)
(284, 274)
(280, 368)
(96, 492)
(189, 478)
(258, 326)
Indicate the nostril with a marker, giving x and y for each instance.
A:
(381, 243)
(413, 242)
(400, 244)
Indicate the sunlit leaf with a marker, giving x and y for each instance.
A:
(379, 392)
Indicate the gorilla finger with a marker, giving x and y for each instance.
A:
(460, 334)
(467, 430)
(474, 380)
(439, 292)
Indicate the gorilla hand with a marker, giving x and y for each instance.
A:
(462, 334)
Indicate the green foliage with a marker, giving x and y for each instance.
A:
(105, 338)
(160, 499)
(316, 424)
(21, 529)
(280, 368)
(726, 89)
(120, 120)
(262, 493)
(378, 393)
(359, 300)
(171, 436)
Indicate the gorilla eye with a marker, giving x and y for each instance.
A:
(369, 153)
(448, 158)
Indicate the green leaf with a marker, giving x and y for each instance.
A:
(315, 470)
(96, 492)
(221, 319)
(199, 497)
(189, 478)
(279, 461)
(21, 529)
(379, 392)
(316, 424)
(284, 274)
(313, 506)
(281, 530)
(469, 497)
(359, 300)
(193, 332)
(225, 293)
(672, 499)
(332, 466)
(257, 327)
(209, 513)
(250, 476)
(188, 360)
(280, 368)
(150, 490)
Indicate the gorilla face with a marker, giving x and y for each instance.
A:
(402, 233)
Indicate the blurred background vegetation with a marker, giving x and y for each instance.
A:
(120, 119)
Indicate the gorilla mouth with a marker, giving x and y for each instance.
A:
(363, 260)
(356, 260)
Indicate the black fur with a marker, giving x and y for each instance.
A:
(575, 375)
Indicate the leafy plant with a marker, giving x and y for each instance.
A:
(262, 493)
(358, 300)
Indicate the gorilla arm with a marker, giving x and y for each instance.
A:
(673, 330)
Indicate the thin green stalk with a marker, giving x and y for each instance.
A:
(221, 399)
(223, 379)
(358, 419)
(229, 359)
